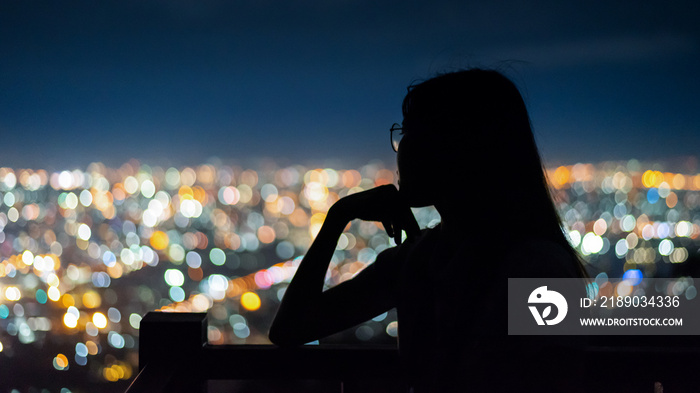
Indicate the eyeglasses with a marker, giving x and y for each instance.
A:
(396, 132)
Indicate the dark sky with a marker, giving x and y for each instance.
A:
(178, 82)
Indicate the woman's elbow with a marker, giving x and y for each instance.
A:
(277, 336)
(284, 337)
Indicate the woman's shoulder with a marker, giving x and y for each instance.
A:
(540, 257)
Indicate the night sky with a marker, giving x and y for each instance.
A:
(177, 82)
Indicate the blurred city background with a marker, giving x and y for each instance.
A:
(86, 253)
(91, 239)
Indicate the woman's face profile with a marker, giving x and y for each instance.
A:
(419, 165)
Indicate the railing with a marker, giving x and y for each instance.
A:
(174, 356)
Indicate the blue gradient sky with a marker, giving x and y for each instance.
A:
(178, 82)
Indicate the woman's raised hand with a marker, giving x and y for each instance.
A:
(383, 204)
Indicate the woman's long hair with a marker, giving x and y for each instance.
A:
(481, 121)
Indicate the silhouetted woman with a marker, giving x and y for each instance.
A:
(466, 147)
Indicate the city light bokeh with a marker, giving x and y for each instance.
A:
(86, 253)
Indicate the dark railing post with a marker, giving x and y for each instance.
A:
(171, 337)
(170, 346)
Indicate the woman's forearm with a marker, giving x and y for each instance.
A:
(307, 312)
(298, 311)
